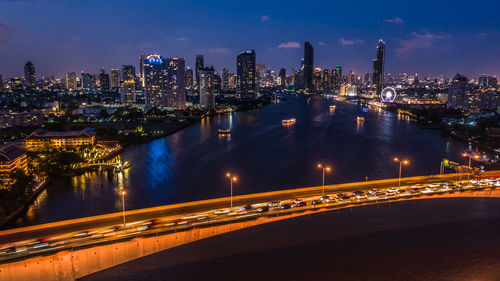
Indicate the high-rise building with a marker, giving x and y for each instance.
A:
(225, 79)
(71, 81)
(327, 80)
(245, 72)
(378, 67)
(189, 78)
(155, 75)
(336, 77)
(217, 84)
(30, 75)
(1, 83)
(141, 69)
(93, 81)
(308, 66)
(16, 84)
(457, 92)
(115, 78)
(488, 81)
(104, 80)
(199, 64)
(282, 78)
(127, 88)
(207, 89)
(176, 85)
(317, 79)
(86, 81)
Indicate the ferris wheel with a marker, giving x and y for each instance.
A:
(388, 94)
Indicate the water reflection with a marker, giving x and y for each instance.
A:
(190, 164)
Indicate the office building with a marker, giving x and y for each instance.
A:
(458, 92)
(317, 81)
(327, 80)
(488, 81)
(282, 78)
(104, 80)
(225, 79)
(199, 64)
(308, 67)
(245, 72)
(30, 75)
(207, 88)
(378, 67)
(189, 78)
(115, 78)
(176, 85)
(155, 75)
(141, 70)
(127, 88)
(71, 81)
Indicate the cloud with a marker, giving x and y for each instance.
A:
(5, 32)
(420, 41)
(394, 20)
(220, 51)
(264, 18)
(290, 44)
(71, 43)
(321, 43)
(347, 42)
(182, 39)
(482, 34)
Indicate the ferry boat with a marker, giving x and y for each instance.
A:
(332, 107)
(224, 132)
(288, 121)
(360, 118)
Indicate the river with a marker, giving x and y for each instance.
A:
(264, 154)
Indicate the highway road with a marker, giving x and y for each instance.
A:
(39, 239)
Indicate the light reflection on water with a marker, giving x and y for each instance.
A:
(191, 164)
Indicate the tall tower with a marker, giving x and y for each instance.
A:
(308, 66)
(176, 83)
(207, 87)
(282, 77)
(127, 88)
(378, 67)
(104, 79)
(30, 75)
(245, 72)
(198, 66)
(155, 77)
(115, 78)
(141, 69)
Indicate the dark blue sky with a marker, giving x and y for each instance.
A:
(436, 37)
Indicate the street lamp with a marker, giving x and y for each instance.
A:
(231, 179)
(123, 203)
(324, 169)
(401, 163)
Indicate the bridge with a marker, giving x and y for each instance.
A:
(71, 249)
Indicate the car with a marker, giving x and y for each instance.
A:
(331, 200)
(285, 206)
(415, 190)
(316, 202)
(263, 209)
(301, 204)
(357, 193)
(324, 198)
(373, 191)
(274, 204)
(247, 207)
(343, 196)
(393, 190)
(298, 200)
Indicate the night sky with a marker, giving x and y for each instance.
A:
(428, 37)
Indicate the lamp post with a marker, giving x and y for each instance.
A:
(324, 169)
(231, 179)
(123, 204)
(401, 163)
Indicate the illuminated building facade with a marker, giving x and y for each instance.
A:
(337, 77)
(199, 64)
(176, 85)
(207, 87)
(189, 78)
(282, 78)
(41, 139)
(155, 75)
(127, 88)
(104, 80)
(458, 92)
(245, 73)
(327, 80)
(317, 81)
(12, 158)
(16, 84)
(115, 78)
(71, 81)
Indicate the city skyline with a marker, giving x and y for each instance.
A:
(422, 41)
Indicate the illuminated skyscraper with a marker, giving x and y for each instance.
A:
(104, 79)
(317, 79)
(141, 69)
(327, 80)
(225, 79)
(282, 78)
(308, 66)
(30, 75)
(16, 84)
(245, 67)
(86, 81)
(115, 78)
(207, 87)
(176, 85)
(458, 92)
(127, 88)
(337, 77)
(155, 75)
(71, 81)
(1, 83)
(189, 78)
(198, 66)
(378, 67)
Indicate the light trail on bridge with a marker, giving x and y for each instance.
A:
(24, 248)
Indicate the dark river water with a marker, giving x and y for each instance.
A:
(264, 154)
